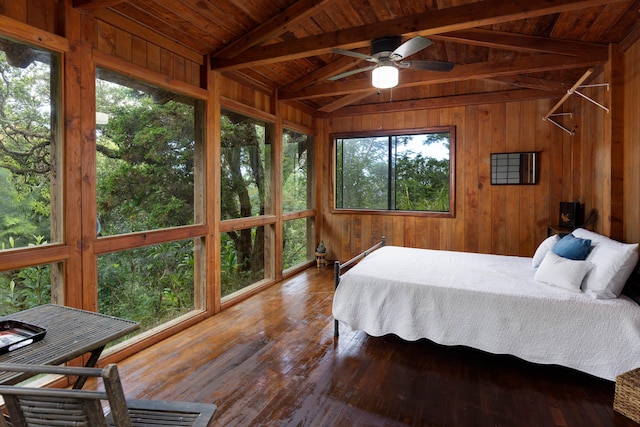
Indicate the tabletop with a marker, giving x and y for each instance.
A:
(70, 333)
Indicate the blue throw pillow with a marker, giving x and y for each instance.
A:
(572, 247)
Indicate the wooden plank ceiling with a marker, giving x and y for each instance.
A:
(501, 49)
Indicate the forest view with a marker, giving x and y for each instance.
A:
(396, 172)
(146, 145)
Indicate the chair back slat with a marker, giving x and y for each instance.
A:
(117, 401)
(55, 407)
(38, 411)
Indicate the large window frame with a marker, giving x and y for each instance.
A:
(46, 257)
(291, 216)
(335, 138)
(257, 225)
(197, 231)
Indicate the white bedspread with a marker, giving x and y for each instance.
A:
(488, 302)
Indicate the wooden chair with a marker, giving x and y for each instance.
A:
(30, 407)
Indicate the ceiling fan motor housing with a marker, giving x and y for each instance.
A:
(384, 46)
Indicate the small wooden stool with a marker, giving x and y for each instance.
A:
(320, 259)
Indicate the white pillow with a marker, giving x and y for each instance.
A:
(546, 245)
(562, 272)
(613, 263)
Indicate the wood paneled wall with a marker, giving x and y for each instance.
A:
(42, 14)
(489, 219)
(246, 96)
(597, 166)
(631, 192)
(492, 219)
(605, 152)
(146, 49)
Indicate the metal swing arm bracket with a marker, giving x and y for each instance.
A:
(549, 118)
(574, 89)
(592, 100)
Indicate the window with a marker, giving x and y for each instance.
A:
(242, 259)
(297, 242)
(147, 179)
(245, 193)
(145, 141)
(297, 197)
(24, 288)
(29, 175)
(396, 172)
(152, 284)
(297, 192)
(245, 178)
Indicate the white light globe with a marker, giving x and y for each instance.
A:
(384, 77)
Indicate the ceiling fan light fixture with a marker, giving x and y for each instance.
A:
(384, 77)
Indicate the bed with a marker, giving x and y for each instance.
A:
(526, 307)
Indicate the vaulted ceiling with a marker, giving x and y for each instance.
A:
(501, 49)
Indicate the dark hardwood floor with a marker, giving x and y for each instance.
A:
(272, 360)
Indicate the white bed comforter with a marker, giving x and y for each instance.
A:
(488, 302)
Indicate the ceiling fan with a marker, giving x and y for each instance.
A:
(388, 55)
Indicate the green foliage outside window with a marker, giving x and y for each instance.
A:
(27, 136)
(145, 180)
(296, 242)
(395, 172)
(238, 270)
(26, 139)
(145, 177)
(296, 188)
(297, 195)
(245, 176)
(152, 284)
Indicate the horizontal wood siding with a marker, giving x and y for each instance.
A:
(245, 95)
(293, 116)
(42, 14)
(115, 41)
(489, 219)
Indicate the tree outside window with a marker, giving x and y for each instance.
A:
(396, 172)
(297, 197)
(30, 168)
(27, 140)
(146, 170)
(245, 191)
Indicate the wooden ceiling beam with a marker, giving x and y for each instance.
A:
(484, 70)
(523, 43)
(338, 66)
(344, 101)
(439, 102)
(487, 12)
(273, 27)
(91, 5)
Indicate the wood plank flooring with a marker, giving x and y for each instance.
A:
(272, 360)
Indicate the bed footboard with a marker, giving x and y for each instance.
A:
(339, 269)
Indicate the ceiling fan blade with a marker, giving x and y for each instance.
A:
(355, 54)
(427, 65)
(410, 47)
(350, 73)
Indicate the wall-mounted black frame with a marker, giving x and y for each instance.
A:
(519, 168)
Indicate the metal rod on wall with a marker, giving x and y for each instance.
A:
(569, 93)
